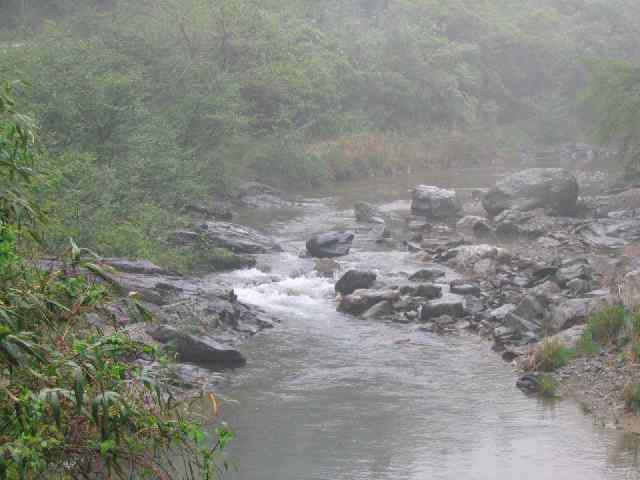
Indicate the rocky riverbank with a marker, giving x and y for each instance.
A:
(526, 260)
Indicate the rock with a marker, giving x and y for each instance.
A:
(418, 226)
(427, 274)
(578, 286)
(500, 313)
(554, 189)
(259, 195)
(443, 320)
(143, 267)
(571, 336)
(355, 280)
(184, 238)
(330, 245)
(237, 238)
(466, 256)
(379, 310)
(200, 350)
(326, 267)
(218, 212)
(424, 290)
(528, 316)
(569, 313)
(528, 383)
(361, 300)
(464, 287)
(476, 226)
(368, 213)
(575, 271)
(437, 308)
(435, 203)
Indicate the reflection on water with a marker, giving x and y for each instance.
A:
(328, 397)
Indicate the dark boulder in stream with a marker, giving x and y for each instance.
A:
(355, 280)
(237, 238)
(200, 350)
(330, 245)
(554, 189)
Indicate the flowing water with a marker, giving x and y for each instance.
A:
(326, 396)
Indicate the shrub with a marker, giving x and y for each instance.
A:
(547, 386)
(552, 354)
(632, 397)
(606, 325)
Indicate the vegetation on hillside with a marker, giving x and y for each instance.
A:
(73, 404)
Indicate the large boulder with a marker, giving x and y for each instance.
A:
(554, 189)
(330, 245)
(438, 308)
(355, 280)
(200, 350)
(237, 238)
(435, 203)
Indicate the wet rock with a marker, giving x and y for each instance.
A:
(326, 267)
(437, 308)
(361, 300)
(554, 189)
(435, 203)
(578, 270)
(464, 287)
(143, 267)
(237, 238)
(424, 290)
(355, 280)
(443, 321)
(528, 383)
(200, 350)
(330, 245)
(466, 256)
(427, 274)
(259, 195)
(499, 314)
(419, 226)
(612, 234)
(368, 213)
(379, 310)
(568, 313)
(578, 286)
(528, 316)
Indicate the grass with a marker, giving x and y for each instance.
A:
(606, 325)
(551, 354)
(586, 345)
(632, 397)
(547, 386)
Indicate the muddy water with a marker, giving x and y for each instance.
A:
(327, 397)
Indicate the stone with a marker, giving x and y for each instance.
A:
(237, 238)
(330, 245)
(578, 286)
(571, 272)
(466, 256)
(554, 189)
(437, 308)
(464, 287)
(143, 267)
(427, 274)
(355, 280)
(630, 289)
(424, 290)
(500, 313)
(569, 313)
(368, 213)
(361, 300)
(435, 203)
(201, 350)
(528, 316)
(379, 310)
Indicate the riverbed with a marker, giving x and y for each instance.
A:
(326, 396)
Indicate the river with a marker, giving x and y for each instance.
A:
(329, 397)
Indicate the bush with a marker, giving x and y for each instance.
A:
(547, 386)
(632, 397)
(605, 326)
(552, 354)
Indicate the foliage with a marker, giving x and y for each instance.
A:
(551, 354)
(632, 397)
(613, 98)
(73, 403)
(547, 386)
(605, 326)
(586, 345)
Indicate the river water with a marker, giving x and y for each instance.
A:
(329, 397)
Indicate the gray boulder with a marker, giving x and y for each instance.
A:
(438, 308)
(362, 300)
(554, 189)
(355, 280)
(330, 245)
(435, 203)
(200, 350)
(427, 274)
(238, 239)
